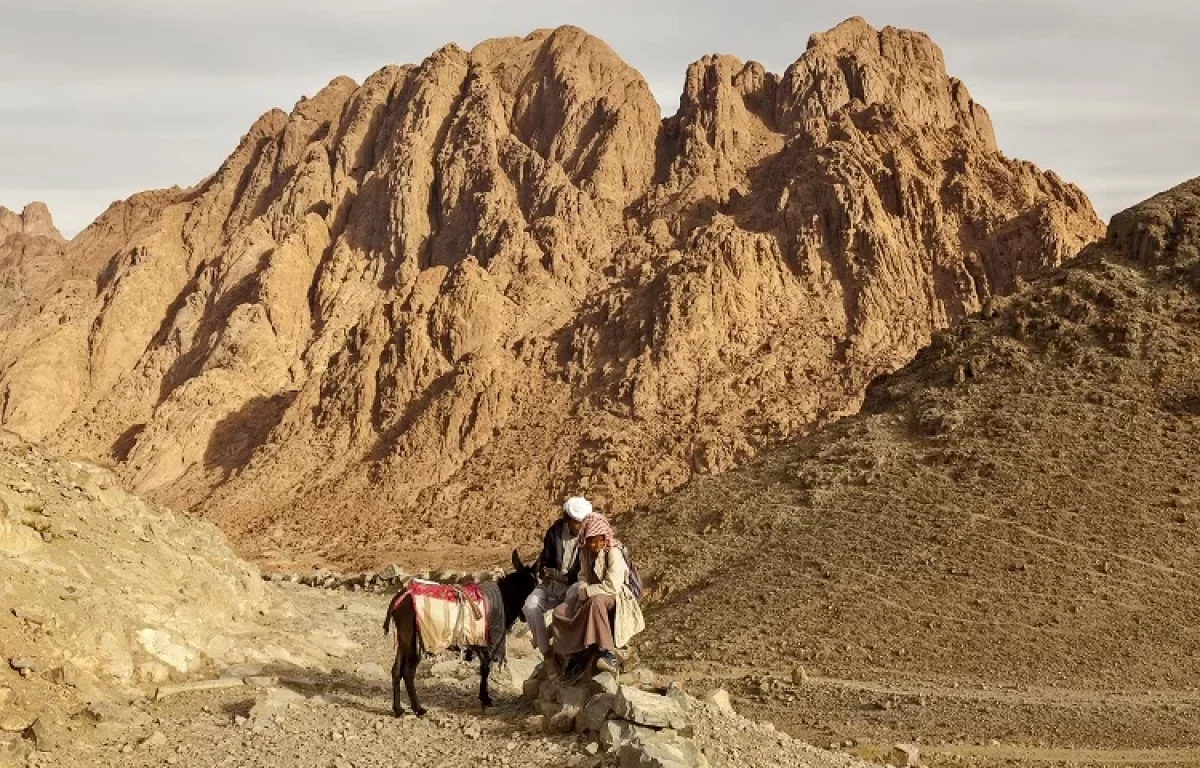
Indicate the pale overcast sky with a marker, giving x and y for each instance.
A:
(103, 98)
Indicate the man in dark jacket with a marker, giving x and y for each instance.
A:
(559, 566)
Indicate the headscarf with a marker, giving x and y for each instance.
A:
(577, 508)
(597, 524)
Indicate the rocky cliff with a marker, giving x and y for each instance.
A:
(424, 307)
(31, 257)
(1017, 507)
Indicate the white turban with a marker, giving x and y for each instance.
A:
(577, 508)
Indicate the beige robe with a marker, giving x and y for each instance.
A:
(606, 574)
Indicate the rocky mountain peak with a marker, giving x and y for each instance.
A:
(421, 308)
(34, 220)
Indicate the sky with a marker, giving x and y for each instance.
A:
(100, 99)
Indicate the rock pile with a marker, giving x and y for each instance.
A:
(391, 578)
(643, 728)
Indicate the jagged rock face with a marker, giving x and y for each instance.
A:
(424, 308)
(31, 255)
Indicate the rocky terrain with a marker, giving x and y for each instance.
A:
(131, 635)
(407, 316)
(998, 555)
(106, 596)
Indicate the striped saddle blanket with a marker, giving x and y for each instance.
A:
(449, 615)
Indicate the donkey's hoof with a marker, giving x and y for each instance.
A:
(420, 712)
(397, 713)
(486, 703)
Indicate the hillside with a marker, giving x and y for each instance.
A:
(132, 636)
(421, 309)
(1016, 512)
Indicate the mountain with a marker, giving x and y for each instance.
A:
(31, 255)
(410, 315)
(1014, 511)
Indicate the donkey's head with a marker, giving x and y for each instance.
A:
(515, 587)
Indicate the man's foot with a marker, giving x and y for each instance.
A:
(608, 662)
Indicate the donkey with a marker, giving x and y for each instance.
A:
(514, 589)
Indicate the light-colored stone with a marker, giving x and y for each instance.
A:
(154, 741)
(906, 756)
(648, 709)
(518, 670)
(604, 682)
(272, 705)
(719, 698)
(661, 750)
(614, 733)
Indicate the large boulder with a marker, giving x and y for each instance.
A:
(648, 709)
(661, 750)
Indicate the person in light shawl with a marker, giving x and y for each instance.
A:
(600, 613)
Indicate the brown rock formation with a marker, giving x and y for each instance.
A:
(424, 308)
(31, 255)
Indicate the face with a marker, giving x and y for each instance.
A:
(574, 526)
(595, 544)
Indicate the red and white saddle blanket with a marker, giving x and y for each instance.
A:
(448, 616)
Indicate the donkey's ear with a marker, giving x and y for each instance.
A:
(516, 560)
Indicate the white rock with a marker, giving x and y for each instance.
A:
(719, 698)
(648, 709)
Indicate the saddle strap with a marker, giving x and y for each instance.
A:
(464, 603)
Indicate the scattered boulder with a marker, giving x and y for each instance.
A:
(562, 721)
(519, 669)
(45, 735)
(604, 682)
(595, 713)
(616, 733)
(23, 666)
(154, 741)
(661, 750)
(719, 698)
(392, 572)
(270, 707)
(648, 709)
(905, 756)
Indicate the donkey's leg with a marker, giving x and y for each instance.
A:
(397, 678)
(410, 674)
(485, 668)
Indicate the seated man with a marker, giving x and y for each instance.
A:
(600, 613)
(557, 565)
